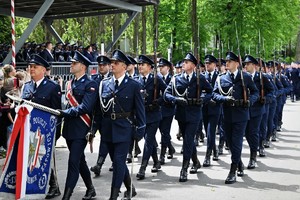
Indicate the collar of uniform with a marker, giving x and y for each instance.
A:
(77, 79)
(120, 79)
(253, 75)
(147, 76)
(128, 74)
(235, 73)
(190, 76)
(38, 83)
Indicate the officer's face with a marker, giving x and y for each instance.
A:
(188, 66)
(103, 68)
(144, 68)
(76, 68)
(210, 66)
(130, 68)
(164, 70)
(231, 65)
(178, 70)
(37, 72)
(118, 67)
(250, 67)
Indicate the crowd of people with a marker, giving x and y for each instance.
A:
(128, 100)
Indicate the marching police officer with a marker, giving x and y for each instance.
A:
(45, 92)
(152, 88)
(168, 111)
(266, 91)
(231, 89)
(211, 112)
(185, 90)
(123, 112)
(81, 95)
(103, 72)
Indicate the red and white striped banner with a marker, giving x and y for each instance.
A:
(13, 43)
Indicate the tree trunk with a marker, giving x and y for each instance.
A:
(155, 32)
(297, 56)
(144, 20)
(194, 26)
(136, 35)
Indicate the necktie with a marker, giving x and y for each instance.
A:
(232, 76)
(163, 78)
(116, 84)
(34, 86)
(102, 77)
(188, 78)
(209, 77)
(144, 78)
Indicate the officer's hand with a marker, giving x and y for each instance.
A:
(139, 133)
(247, 104)
(212, 102)
(61, 113)
(230, 99)
(181, 101)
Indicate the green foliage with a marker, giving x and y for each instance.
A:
(5, 30)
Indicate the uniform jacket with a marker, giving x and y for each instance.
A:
(47, 56)
(188, 89)
(127, 99)
(287, 87)
(167, 108)
(85, 92)
(48, 93)
(209, 108)
(235, 114)
(148, 96)
(258, 108)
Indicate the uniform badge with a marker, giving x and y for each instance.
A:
(92, 89)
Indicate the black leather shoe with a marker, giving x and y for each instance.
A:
(53, 192)
(240, 171)
(89, 194)
(231, 178)
(183, 175)
(215, 155)
(262, 152)
(171, 152)
(195, 168)
(141, 174)
(67, 194)
(127, 195)
(206, 162)
(111, 168)
(267, 144)
(156, 167)
(220, 150)
(251, 164)
(274, 138)
(129, 158)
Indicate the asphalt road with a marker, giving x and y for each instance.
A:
(277, 176)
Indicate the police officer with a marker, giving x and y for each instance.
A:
(82, 95)
(131, 73)
(230, 89)
(185, 90)
(266, 91)
(211, 111)
(168, 111)
(123, 111)
(45, 92)
(103, 72)
(178, 71)
(152, 88)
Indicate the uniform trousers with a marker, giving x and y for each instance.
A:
(165, 128)
(77, 164)
(150, 141)
(272, 110)
(234, 133)
(188, 130)
(252, 132)
(264, 124)
(118, 152)
(210, 124)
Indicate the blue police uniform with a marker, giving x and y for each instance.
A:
(188, 116)
(256, 113)
(153, 117)
(84, 90)
(48, 93)
(236, 111)
(211, 114)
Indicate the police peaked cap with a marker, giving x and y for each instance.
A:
(178, 64)
(103, 60)
(263, 64)
(78, 57)
(250, 59)
(272, 63)
(231, 56)
(164, 62)
(223, 62)
(132, 60)
(38, 60)
(210, 59)
(145, 59)
(200, 64)
(120, 56)
(191, 57)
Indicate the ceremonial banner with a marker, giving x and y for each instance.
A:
(26, 170)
